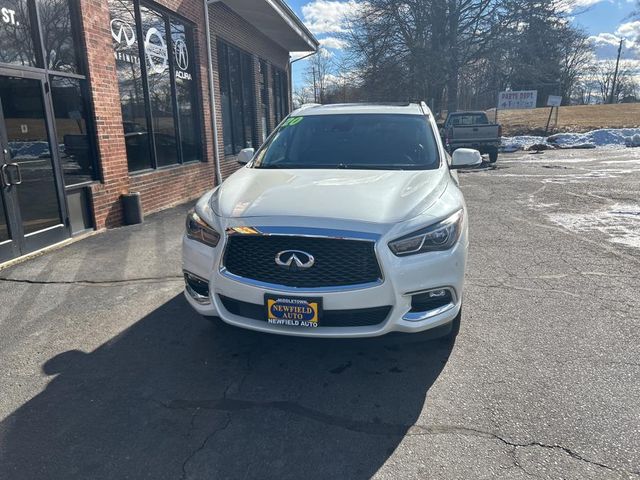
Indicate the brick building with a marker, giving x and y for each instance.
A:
(102, 98)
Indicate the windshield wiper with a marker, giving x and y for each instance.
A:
(377, 166)
(279, 166)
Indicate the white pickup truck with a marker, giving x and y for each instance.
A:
(472, 130)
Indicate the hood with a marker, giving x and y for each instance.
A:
(359, 195)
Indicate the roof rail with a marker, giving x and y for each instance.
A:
(425, 109)
(305, 106)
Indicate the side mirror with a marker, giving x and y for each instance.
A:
(466, 157)
(245, 156)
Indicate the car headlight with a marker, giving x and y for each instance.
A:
(200, 231)
(435, 238)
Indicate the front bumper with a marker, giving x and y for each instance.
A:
(402, 278)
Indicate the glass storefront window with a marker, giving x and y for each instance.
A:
(51, 46)
(163, 92)
(235, 71)
(264, 97)
(184, 68)
(56, 17)
(280, 95)
(156, 50)
(76, 155)
(17, 33)
(132, 100)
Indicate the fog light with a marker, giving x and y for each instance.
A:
(431, 300)
(197, 288)
(437, 293)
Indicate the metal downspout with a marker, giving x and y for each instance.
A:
(212, 96)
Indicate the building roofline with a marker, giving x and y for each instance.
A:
(292, 15)
(285, 13)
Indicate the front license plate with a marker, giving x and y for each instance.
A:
(293, 311)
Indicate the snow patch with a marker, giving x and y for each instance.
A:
(621, 223)
(602, 138)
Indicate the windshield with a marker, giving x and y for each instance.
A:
(355, 141)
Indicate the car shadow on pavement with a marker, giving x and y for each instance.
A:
(175, 396)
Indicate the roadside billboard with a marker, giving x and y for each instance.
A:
(517, 100)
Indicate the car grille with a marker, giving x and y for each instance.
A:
(337, 262)
(364, 317)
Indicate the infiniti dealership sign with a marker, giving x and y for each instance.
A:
(156, 51)
(122, 32)
(124, 36)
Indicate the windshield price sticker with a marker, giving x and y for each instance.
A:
(292, 121)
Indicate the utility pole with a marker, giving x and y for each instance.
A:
(615, 73)
(315, 88)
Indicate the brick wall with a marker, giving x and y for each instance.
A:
(230, 27)
(161, 188)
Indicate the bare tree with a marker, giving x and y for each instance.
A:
(463, 52)
(319, 73)
(302, 95)
(624, 87)
(576, 54)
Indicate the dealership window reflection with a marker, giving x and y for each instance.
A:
(280, 95)
(159, 81)
(162, 92)
(76, 154)
(132, 101)
(56, 18)
(184, 67)
(237, 98)
(16, 33)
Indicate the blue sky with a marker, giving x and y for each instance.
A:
(605, 20)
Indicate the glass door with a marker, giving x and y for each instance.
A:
(32, 194)
(8, 247)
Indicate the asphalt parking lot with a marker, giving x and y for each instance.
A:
(105, 373)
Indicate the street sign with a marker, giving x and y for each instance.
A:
(554, 101)
(517, 100)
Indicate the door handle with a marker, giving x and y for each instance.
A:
(11, 174)
(3, 176)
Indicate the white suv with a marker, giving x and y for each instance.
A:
(347, 222)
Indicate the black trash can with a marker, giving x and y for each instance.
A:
(132, 208)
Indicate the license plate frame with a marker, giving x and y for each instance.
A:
(297, 315)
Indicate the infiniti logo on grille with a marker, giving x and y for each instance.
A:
(295, 260)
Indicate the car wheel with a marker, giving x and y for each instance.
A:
(493, 156)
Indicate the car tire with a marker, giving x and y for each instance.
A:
(493, 156)
(455, 329)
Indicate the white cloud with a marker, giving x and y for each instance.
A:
(606, 44)
(333, 43)
(573, 5)
(328, 16)
(605, 39)
(629, 30)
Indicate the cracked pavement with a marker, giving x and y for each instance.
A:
(106, 373)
